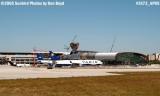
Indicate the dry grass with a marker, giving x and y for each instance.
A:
(131, 84)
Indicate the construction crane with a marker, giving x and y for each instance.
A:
(113, 43)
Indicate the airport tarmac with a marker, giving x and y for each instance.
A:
(10, 72)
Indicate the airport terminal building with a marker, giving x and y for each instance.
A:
(18, 57)
(126, 58)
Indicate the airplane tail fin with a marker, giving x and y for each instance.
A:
(12, 64)
(40, 56)
(53, 56)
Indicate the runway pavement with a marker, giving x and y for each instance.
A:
(10, 72)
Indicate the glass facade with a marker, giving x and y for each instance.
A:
(131, 58)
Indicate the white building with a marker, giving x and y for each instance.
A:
(18, 57)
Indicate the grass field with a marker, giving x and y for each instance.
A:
(130, 84)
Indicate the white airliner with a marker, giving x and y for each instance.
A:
(60, 63)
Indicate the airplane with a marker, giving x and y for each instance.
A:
(55, 60)
(18, 65)
(78, 63)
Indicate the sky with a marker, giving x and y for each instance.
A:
(95, 22)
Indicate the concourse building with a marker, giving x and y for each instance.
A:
(116, 58)
(125, 58)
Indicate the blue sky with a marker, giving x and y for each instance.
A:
(95, 22)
